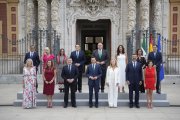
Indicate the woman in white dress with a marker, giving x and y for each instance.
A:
(121, 63)
(112, 81)
(29, 85)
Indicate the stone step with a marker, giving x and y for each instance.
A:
(122, 96)
(82, 99)
(102, 102)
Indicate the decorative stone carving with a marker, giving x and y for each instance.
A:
(131, 15)
(157, 16)
(29, 16)
(42, 14)
(144, 7)
(93, 10)
(54, 14)
(93, 6)
(42, 22)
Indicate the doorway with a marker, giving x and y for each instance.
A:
(90, 33)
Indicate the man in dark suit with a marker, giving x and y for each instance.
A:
(94, 75)
(78, 58)
(32, 54)
(101, 56)
(134, 79)
(69, 74)
(156, 58)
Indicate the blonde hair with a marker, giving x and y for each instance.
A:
(110, 65)
(26, 65)
(47, 49)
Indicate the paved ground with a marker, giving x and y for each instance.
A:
(8, 95)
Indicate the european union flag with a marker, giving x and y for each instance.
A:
(161, 73)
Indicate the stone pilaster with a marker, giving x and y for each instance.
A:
(144, 6)
(29, 16)
(131, 27)
(54, 14)
(157, 16)
(131, 15)
(42, 24)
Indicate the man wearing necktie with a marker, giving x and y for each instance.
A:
(69, 74)
(134, 80)
(156, 58)
(79, 59)
(94, 75)
(102, 57)
(32, 54)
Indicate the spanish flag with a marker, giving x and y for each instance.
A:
(150, 43)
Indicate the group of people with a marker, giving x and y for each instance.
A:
(139, 74)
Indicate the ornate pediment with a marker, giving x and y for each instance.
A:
(93, 6)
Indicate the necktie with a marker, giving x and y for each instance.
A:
(154, 54)
(94, 66)
(77, 54)
(69, 68)
(100, 54)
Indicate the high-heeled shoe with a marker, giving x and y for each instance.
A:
(50, 105)
(151, 106)
(148, 105)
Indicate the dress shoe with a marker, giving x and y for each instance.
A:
(65, 106)
(74, 106)
(130, 106)
(137, 106)
(158, 92)
(90, 106)
(96, 106)
(102, 91)
(80, 91)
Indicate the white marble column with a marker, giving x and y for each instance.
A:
(42, 23)
(131, 26)
(157, 16)
(29, 16)
(144, 7)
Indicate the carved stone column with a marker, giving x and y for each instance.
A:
(131, 15)
(42, 24)
(131, 27)
(157, 16)
(29, 16)
(144, 6)
(54, 14)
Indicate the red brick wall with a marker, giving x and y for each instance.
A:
(3, 18)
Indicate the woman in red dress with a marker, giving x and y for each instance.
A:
(49, 75)
(150, 82)
(47, 56)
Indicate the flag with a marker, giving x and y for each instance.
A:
(161, 72)
(144, 45)
(150, 43)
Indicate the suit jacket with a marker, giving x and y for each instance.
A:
(109, 76)
(35, 58)
(156, 60)
(73, 74)
(80, 59)
(134, 75)
(104, 57)
(97, 72)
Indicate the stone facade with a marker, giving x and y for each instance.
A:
(121, 13)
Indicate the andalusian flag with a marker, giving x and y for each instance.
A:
(144, 45)
(150, 43)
